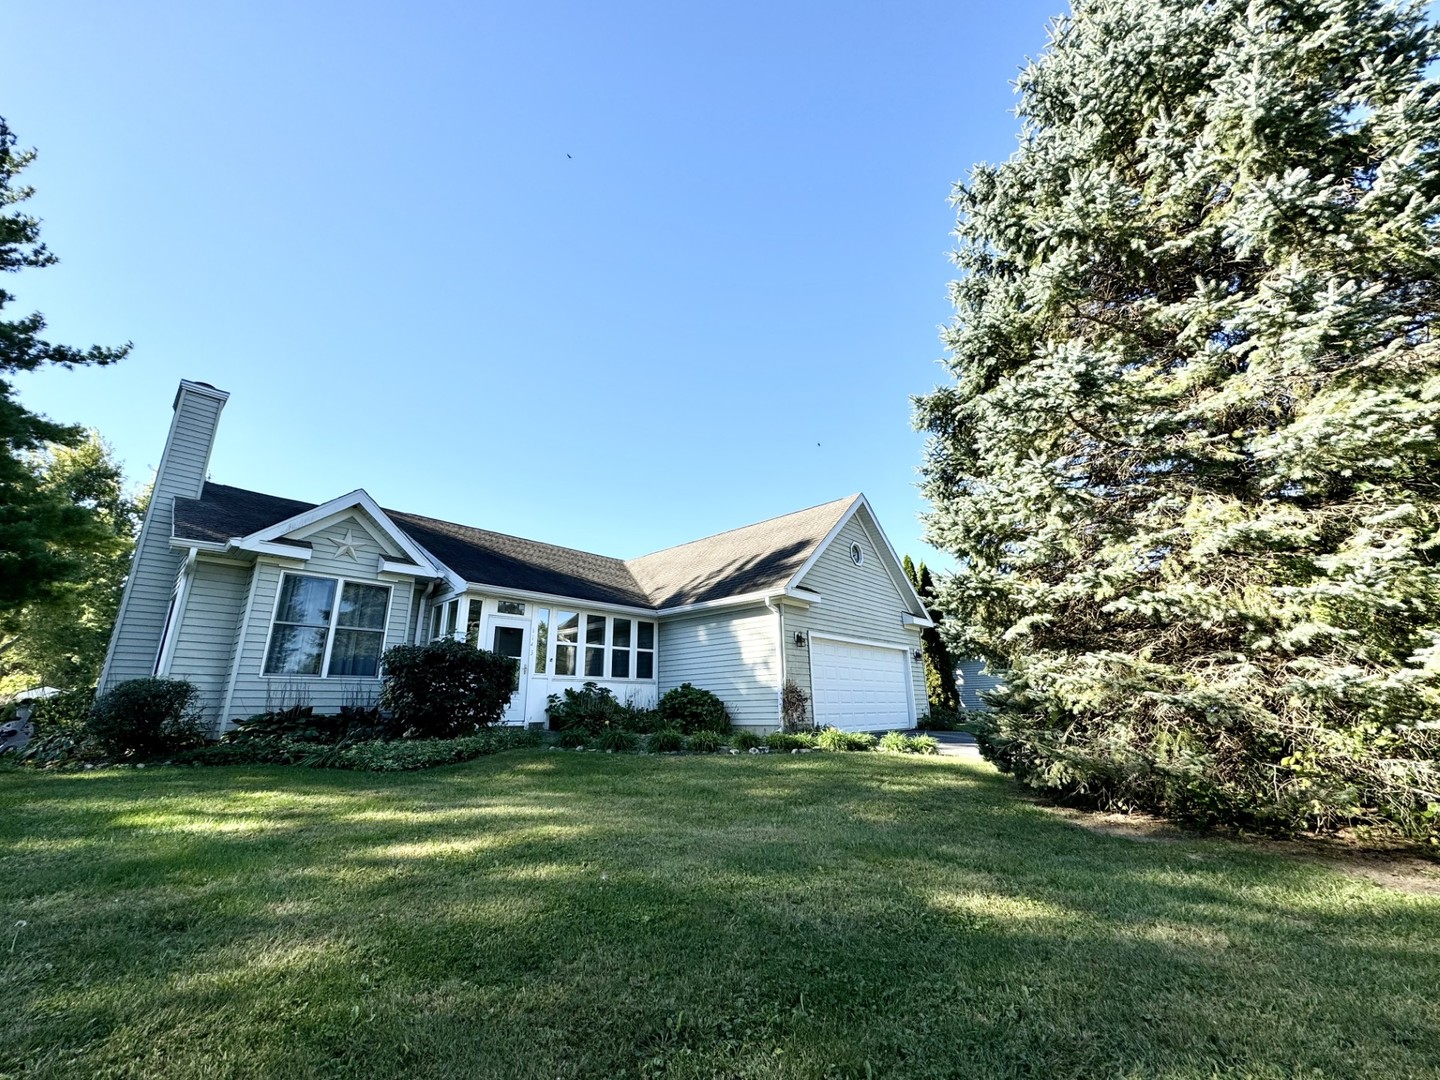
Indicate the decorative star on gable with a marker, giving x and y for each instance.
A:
(345, 546)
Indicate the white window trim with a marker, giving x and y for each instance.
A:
(174, 616)
(330, 630)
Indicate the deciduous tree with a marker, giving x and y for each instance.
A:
(60, 638)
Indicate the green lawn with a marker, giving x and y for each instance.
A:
(555, 914)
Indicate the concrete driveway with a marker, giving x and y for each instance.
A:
(952, 743)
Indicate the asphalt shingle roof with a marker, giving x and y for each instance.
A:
(750, 559)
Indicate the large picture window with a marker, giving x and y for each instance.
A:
(327, 625)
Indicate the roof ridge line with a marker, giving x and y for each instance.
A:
(742, 528)
(508, 536)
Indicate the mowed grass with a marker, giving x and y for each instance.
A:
(547, 914)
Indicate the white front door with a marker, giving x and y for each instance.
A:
(507, 637)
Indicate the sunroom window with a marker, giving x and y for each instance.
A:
(567, 641)
(595, 646)
(312, 633)
(613, 647)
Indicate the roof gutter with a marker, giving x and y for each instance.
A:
(763, 597)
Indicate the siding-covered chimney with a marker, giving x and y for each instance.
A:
(135, 641)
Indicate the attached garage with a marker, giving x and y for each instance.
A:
(860, 687)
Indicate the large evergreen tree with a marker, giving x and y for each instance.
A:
(941, 691)
(39, 532)
(1189, 458)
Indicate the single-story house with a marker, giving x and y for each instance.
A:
(264, 602)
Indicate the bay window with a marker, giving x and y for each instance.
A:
(327, 626)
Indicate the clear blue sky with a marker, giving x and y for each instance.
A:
(614, 276)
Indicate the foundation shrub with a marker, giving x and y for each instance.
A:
(705, 742)
(666, 741)
(145, 718)
(835, 739)
(445, 688)
(692, 709)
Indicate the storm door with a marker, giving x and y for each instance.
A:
(507, 637)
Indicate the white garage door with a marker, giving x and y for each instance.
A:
(859, 687)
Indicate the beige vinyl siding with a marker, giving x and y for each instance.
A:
(255, 692)
(731, 654)
(858, 602)
(141, 619)
(205, 631)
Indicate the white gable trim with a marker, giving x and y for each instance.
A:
(264, 539)
(261, 547)
(892, 562)
(347, 514)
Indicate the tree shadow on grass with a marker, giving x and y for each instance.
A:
(553, 914)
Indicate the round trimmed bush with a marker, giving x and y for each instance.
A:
(146, 718)
(446, 688)
(692, 709)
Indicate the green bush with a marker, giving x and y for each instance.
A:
(254, 750)
(616, 741)
(896, 742)
(835, 739)
(591, 708)
(373, 755)
(640, 721)
(692, 709)
(446, 688)
(352, 723)
(666, 741)
(398, 755)
(783, 741)
(705, 742)
(745, 739)
(145, 718)
(64, 712)
(61, 747)
(573, 739)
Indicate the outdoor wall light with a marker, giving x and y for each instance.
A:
(799, 639)
(917, 656)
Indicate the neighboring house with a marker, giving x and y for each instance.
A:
(264, 602)
(974, 678)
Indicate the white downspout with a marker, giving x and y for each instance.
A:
(770, 602)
